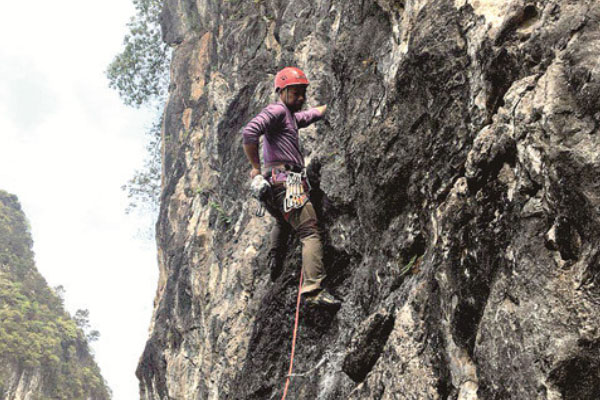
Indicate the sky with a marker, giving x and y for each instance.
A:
(67, 145)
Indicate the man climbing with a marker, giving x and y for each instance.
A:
(289, 204)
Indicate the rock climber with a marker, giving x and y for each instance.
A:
(284, 169)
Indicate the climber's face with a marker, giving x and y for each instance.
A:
(294, 97)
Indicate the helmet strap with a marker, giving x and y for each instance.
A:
(283, 95)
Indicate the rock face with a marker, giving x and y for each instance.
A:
(459, 194)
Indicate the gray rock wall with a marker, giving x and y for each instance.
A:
(458, 192)
(22, 384)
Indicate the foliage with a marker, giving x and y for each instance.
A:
(82, 320)
(15, 240)
(223, 216)
(143, 190)
(141, 76)
(31, 332)
(408, 267)
(140, 72)
(35, 331)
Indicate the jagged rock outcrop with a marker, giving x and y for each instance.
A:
(43, 353)
(458, 191)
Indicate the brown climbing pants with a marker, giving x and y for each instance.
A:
(303, 222)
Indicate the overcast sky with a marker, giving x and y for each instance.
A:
(67, 145)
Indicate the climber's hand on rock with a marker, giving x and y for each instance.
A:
(322, 109)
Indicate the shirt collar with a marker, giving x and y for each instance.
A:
(283, 104)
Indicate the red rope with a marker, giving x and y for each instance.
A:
(287, 381)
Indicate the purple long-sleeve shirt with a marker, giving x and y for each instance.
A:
(279, 126)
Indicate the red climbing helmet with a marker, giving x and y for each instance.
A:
(290, 76)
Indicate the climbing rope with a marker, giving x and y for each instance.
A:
(289, 375)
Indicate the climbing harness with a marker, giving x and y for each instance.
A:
(289, 375)
(295, 194)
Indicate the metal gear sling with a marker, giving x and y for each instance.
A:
(295, 193)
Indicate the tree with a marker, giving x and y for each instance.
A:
(140, 72)
(141, 76)
(143, 190)
(92, 336)
(59, 291)
(82, 319)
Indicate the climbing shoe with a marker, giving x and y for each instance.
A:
(275, 267)
(323, 298)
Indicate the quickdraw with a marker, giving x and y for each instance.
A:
(260, 209)
(295, 195)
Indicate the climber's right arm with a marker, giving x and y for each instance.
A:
(266, 121)
(251, 151)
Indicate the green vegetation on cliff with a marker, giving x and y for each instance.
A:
(37, 336)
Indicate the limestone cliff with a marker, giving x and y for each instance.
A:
(43, 353)
(458, 190)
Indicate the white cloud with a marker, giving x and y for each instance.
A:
(26, 96)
